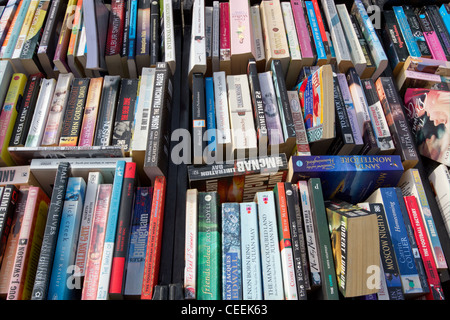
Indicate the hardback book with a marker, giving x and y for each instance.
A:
(7, 207)
(107, 110)
(73, 116)
(50, 236)
(87, 130)
(322, 57)
(190, 245)
(272, 277)
(198, 118)
(436, 292)
(225, 38)
(26, 111)
(343, 57)
(232, 283)
(431, 38)
(215, 38)
(356, 51)
(60, 58)
(118, 270)
(345, 177)
(156, 155)
(138, 242)
(300, 130)
(370, 62)
(8, 115)
(210, 117)
(274, 32)
(241, 36)
(422, 106)
(143, 33)
(197, 56)
(285, 241)
(114, 39)
(432, 11)
(13, 241)
(77, 24)
(84, 235)
(5, 78)
(296, 62)
(96, 243)
(405, 27)
(416, 30)
(440, 182)
(154, 239)
(223, 133)
(316, 99)
(30, 241)
(124, 117)
(6, 17)
(307, 48)
(398, 124)
(368, 30)
(402, 248)
(250, 247)
(411, 185)
(167, 35)
(356, 247)
(66, 246)
(258, 39)
(377, 117)
(106, 259)
(57, 109)
(209, 235)
(243, 133)
(238, 181)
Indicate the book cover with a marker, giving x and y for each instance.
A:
(49, 240)
(198, 118)
(439, 180)
(87, 130)
(225, 38)
(231, 251)
(60, 58)
(347, 177)
(250, 247)
(73, 115)
(190, 245)
(209, 257)
(62, 286)
(272, 277)
(305, 42)
(114, 38)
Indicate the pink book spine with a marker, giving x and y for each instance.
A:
(240, 27)
(435, 47)
(225, 47)
(302, 29)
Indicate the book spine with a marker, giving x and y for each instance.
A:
(7, 207)
(210, 115)
(41, 111)
(250, 248)
(110, 235)
(10, 41)
(215, 41)
(116, 26)
(74, 111)
(143, 35)
(60, 58)
(154, 240)
(231, 252)
(320, 49)
(444, 11)
(44, 267)
(155, 36)
(411, 44)
(258, 39)
(296, 62)
(321, 24)
(241, 35)
(65, 251)
(73, 39)
(225, 41)
(416, 30)
(87, 130)
(107, 111)
(443, 34)
(26, 111)
(198, 118)
(270, 249)
(190, 249)
(168, 35)
(131, 52)
(431, 38)
(7, 17)
(8, 115)
(370, 63)
(394, 41)
(209, 234)
(299, 124)
(99, 223)
(440, 182)
(222, 115)
(306, 47)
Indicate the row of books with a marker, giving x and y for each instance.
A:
(91, 239)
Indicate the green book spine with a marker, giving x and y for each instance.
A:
(209, 261)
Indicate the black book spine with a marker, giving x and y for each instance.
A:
(198, 118)
(394, 42)
(45, 262)
(417, 32)
(441, 30)
(7, 207)
(26, 111)
(154, 33)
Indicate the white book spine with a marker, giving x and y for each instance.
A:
(291, 33)
(360, 104)
(197, 56)
(190, 250)
(258, 39)
(216, 37)
(221, 104)
(440, 180)
(169, 35)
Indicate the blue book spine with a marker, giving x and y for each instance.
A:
(445, 16)
(405, 258)
(411, 43)
(321, 55)
(61, 287)
(132, 29)
(138, 241)
(8, 50)
(251, 252)
(231, 252)
(210, 114)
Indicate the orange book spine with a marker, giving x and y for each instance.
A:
(90, 112)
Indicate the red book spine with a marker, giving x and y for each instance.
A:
(115, 29)
(153, 253)
(225, 40)
(423, 244)
(123, 230)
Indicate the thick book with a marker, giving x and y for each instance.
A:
(197, 56)
(198, 118)
(30, 241)
(138, 242)
(232, 283)
(143, 33)
(345, 177)
(7, 206)
(441, 30)
(272, 277)
(154, 240)
(167, 35)
(431, 38)
(9, 113)
(60, 58)
(209, 234)
(73, 116)
(370, 62)
(225, 45)
(421, 80)
(416, 30)
(6, 17)
(305, 42)
(48, 247)
(114, 39)
(440, 183)
(190, 245)
(87, 130)
(61, 286)
(428, 65)
(302, 144)
(238, 181)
